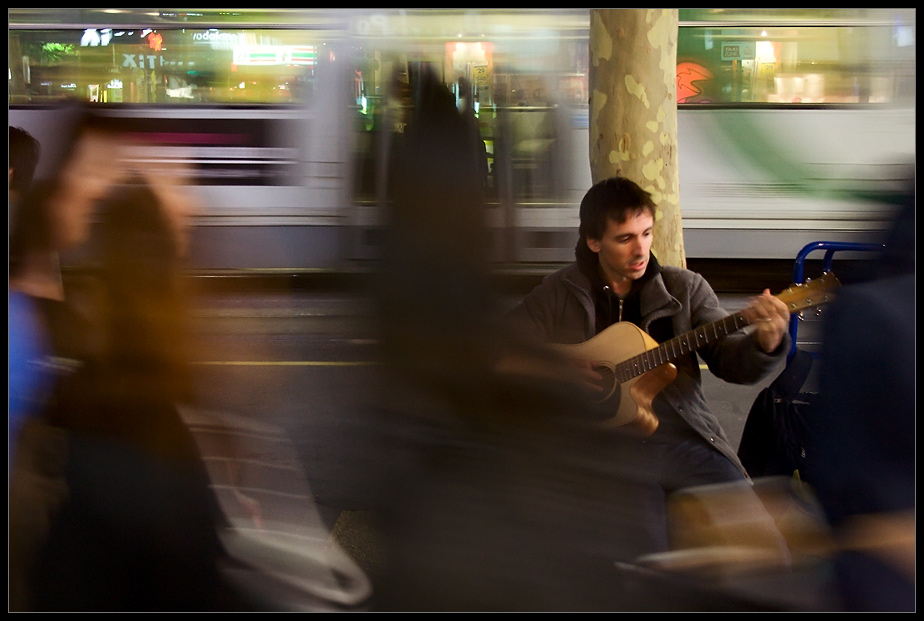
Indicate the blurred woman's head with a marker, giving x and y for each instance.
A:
(91, 167)
(141, 306)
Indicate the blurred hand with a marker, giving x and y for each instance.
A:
(588, 377)
(252, 508)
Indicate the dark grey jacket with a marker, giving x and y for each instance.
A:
(561, 310)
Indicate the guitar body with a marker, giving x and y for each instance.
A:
(632, 399)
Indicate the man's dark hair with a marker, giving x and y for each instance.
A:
(614, 199)
(24, 156)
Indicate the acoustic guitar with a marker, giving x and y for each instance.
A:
(635, 368)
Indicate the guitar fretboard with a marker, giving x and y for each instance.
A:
(678, 346)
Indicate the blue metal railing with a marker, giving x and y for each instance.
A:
(830, 247)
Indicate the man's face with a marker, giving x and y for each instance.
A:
(624, 248)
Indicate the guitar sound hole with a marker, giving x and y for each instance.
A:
(607, 383)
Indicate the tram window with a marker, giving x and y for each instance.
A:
(841, 64)
(170, 66)
(724, 56)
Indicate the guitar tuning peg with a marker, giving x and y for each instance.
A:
(800, 316)
(818, 311)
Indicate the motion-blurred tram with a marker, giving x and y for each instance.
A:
(792, 123)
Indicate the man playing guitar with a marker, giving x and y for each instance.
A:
(616, 282)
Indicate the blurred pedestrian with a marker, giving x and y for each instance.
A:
(137, 531)
(861, 446)
(36, 450)
(498, 490)
(28, 340)
(118, 356)
(53, 217)
(46, 343)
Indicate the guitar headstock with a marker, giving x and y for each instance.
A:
(810, 293)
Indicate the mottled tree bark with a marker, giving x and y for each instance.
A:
(633, 112)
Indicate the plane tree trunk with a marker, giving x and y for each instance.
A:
(633, 112)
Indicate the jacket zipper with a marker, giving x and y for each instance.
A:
(609, 300)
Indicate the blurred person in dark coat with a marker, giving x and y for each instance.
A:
(498, 490)
(861, 448)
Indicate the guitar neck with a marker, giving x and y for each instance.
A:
(796, 298)
(679, 346)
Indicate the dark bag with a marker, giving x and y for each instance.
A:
(774, 436)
